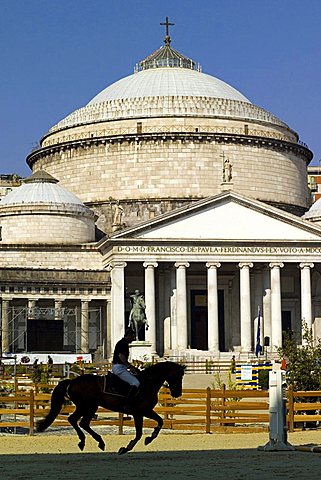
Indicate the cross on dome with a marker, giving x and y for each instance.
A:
(167, 39)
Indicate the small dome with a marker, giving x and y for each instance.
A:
(314, 213)
(40, 188)
(166, 82)
(40, 211)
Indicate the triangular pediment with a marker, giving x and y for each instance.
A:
(226, 216)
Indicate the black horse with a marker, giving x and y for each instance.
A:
(88, 392)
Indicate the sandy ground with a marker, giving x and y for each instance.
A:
(172, 456)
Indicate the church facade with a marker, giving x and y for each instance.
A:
(169, 181)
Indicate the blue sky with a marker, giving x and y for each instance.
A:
(55, 55)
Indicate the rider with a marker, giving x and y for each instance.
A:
(121, 366)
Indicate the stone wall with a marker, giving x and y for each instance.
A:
(51, 257)
(48, 224)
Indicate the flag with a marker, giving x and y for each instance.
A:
(258, 334)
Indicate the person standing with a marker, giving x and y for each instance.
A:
(233, 364)
(50, 364)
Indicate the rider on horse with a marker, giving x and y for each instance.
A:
(121, 366)
(137, 315)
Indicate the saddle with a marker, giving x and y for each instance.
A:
(115, 385)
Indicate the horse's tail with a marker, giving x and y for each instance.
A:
(58, 398)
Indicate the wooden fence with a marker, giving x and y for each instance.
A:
(204, 410)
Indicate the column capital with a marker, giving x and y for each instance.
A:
(306, 265)
(276, 264)
(213, 265)
(113, 265)
(150, 264)
(181, 264)
(245, 264)
(7, 299)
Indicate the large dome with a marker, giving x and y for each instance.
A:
(166, 82)
(158, 140)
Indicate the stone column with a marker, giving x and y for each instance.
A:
(245, 306)
(108, 350)
(173, 309)
(212, 308)
(267, 304)
(163, 316)
(306, 298)
(181, 304)
(5, 333)
(150, 334)
(84, 327)
(257, 305)
(58, 309)
(276, 308)
(117, 274)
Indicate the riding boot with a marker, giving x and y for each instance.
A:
(132, 394)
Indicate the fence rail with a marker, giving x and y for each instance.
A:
(205, 410)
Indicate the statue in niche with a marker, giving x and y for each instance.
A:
(118, 213)
(137, 315)
(227, 171)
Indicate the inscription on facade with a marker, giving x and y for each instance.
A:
(168, 249)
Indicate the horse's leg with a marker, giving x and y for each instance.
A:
(85, 424)
(73, 420)
(139, 432)
(154, 416)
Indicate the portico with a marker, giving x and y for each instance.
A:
(215, 286)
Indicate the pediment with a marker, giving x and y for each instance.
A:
(226, 216)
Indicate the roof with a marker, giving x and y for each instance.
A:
(40, 188)
(166, 82)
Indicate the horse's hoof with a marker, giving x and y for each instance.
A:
(81, 446)
(101, 446)
(148, 440)
(122, 450)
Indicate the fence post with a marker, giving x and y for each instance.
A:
(31, 413)
(290, 409)
(120, 424)
(208, 410)
(223, 403)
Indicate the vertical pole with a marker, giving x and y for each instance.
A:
(208, 410)
(277, 413)
(31, 413)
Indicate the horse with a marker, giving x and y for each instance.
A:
(90, 391)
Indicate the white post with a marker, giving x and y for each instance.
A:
(277, 413)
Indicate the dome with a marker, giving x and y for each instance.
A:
(155, 141)
(40, 188)
(167, 82)
(40, 211)
(314, 213)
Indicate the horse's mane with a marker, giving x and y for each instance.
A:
(158, 369)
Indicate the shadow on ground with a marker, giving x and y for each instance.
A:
(242, 464)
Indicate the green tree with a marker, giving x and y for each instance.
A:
(303, 361)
